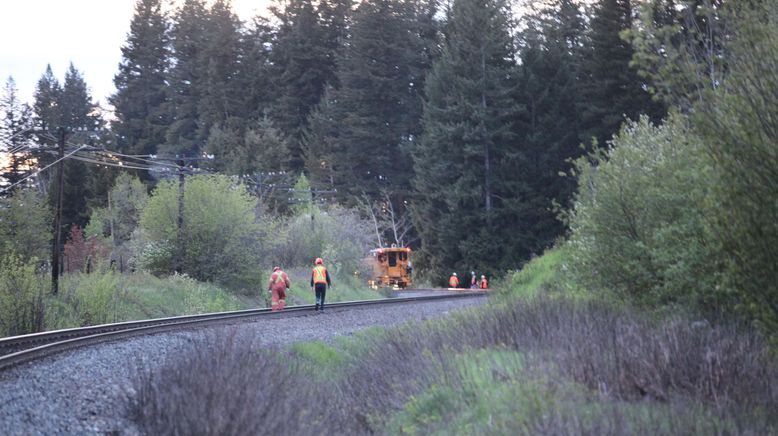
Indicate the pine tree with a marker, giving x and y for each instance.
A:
(221, 92)
(376, 109)
(611, 88)
(78, 112)
(467, 160)
(303, 62)
(47, 92)
(15, 143)
(548, 130)
(140, 98)
(186, 79)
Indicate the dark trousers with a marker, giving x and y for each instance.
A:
(321, 291)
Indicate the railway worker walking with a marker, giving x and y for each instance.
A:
(320, 280)
(453, 281)
(484, 283)
(279, 283)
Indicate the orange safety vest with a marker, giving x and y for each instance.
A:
(453, 282)
(319, 274)
(484, 284)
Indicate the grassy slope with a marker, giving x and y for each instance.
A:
(497, 389)
(103, 297)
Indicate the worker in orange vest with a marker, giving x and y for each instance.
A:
(453, 281)
(484, 283)
(279, 283)
(320, 280)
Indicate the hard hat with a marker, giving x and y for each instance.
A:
(319, 261)
(276, 268)
(483, 277)
(453, 274)
(472, 273)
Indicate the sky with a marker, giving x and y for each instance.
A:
(88, 33)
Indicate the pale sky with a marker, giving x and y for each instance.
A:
(89, 33)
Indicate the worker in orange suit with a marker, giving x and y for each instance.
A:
(320, 280)
(484, 283)
(453, 281)
(279, 283)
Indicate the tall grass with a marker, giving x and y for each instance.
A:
(539, 366)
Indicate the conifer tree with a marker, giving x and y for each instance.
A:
(221, 93)
(548, 130)
(611, 89)
(467, 161)
(303, 62)
(363, 126)
(140, 98)
(15, 144)
(186, 78)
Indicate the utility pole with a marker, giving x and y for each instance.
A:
(181, 238)
(56, 249)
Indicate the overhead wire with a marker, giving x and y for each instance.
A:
(39, 171)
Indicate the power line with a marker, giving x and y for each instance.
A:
(39, 171)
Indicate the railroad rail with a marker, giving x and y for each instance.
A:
(16, 350)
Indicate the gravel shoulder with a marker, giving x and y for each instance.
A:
(87, 391)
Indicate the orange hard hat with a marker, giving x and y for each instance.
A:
(319, 261)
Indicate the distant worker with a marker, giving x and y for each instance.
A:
(320, 280)
(484, 283)
(453, 281)
(409, 269)
(279, 283)
(473, 280)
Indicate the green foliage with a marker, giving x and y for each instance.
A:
(141, 119)
(638, 223)
(21, 296)
(377, 105)
(107, 296)
(325, 360)
(126, 201)
(611, 89)
(84, 300)
(337, 235)
(221, 236)
(467, 160)
(537, 275)
(738, 125)
(25, 225)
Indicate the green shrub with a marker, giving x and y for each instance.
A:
(84, 300)
(222, 239)
(638, 220)
(739, 125)
(21, 296)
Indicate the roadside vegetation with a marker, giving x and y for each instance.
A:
(537, 361)
(127, 263)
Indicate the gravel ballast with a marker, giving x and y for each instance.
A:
(86, 391)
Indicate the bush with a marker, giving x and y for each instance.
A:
(739, 125)
(21, 296)
(221, 236)
(638, 220)
(85, 300)
(25, 225)
(337, 235)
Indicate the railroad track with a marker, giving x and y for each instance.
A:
(16, 350)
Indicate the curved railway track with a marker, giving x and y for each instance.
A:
(16, 350)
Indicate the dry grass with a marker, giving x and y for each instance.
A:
(593, 370)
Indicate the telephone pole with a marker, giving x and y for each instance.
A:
(181, 238)
(56, 249)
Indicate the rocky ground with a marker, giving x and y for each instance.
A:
(87, 391)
